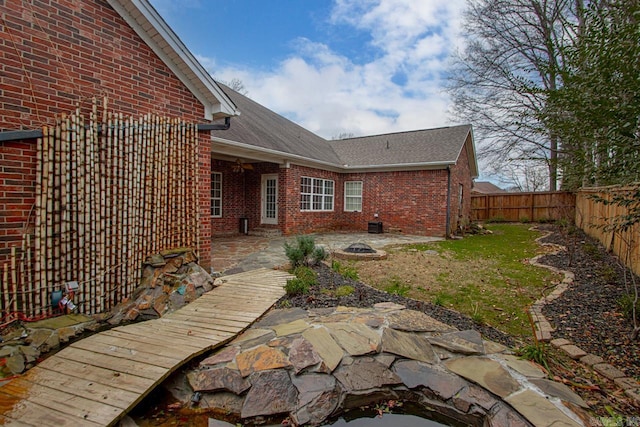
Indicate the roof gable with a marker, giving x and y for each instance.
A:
(150, 26)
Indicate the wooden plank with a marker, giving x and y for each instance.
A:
(4, 421)
(82, 387)
(182, 331)
(157, 334)
(142, 348)
(20, 410)
(124, 351)
(244, 290)
(207, 317)
(75, 410)
(116, 364)
(203, 325)
(236, 315)
(107, 377)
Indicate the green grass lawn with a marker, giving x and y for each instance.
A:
(487, 277)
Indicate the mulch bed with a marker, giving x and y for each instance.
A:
(588, 313)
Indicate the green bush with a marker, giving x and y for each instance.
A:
(348, 271)
(306, 274)
(296, 286)
(304, 252)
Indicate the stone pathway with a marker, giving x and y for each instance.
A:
(308, 364)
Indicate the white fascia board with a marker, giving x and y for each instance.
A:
(150, 26)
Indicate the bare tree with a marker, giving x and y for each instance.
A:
(343, 135)
(513, 57)
(237, 85)
(524, 176)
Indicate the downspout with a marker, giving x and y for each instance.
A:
(448, 202)
(210, 126)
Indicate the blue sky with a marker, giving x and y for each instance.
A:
(362, 67)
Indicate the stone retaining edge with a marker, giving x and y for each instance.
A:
(543, 327)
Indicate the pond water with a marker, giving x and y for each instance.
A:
(388, 420)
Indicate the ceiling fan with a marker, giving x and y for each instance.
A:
(240, 167)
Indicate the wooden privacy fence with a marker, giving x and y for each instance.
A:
(109, 193)
(595, 217)
(536, 207)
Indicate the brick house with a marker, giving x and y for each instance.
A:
(277, 175)
(267, 172)
(58, 54)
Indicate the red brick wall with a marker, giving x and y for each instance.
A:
(412, 202)
(58, 53)
(17, 192)
(241, 193)
(461, 175)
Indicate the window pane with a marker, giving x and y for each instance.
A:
(328, 203)
(216, 194)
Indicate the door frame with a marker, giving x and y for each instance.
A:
(263, 199)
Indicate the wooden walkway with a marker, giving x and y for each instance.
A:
(97, 380)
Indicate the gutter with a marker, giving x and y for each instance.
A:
(448, 226)
(18, 135)
(306, 161)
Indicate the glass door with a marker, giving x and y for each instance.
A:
(269, 197)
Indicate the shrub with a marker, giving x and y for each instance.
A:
(296, 286)
(304, 252)
(343, 291)
(306, 274)
(348, 271)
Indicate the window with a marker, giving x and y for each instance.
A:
(316, 194)
(216, 194)
(353, 196)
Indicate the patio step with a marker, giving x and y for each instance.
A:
(265, 232)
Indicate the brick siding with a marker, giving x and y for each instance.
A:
(411, 202)
(57, 54)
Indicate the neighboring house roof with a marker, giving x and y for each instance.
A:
(150, 26)
(485, 187)
(263, 135)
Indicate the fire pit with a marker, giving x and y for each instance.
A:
(361, 252)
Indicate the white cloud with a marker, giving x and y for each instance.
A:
(398, 89)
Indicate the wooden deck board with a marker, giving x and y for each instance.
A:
(96, 381)
(82, 387)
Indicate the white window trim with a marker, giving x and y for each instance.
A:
(322, 196)
(216, 198)
(352, 196)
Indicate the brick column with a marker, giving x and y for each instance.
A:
(204, 196)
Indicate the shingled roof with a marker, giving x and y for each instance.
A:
(262, 128)
(439, 146)
(272, 135)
